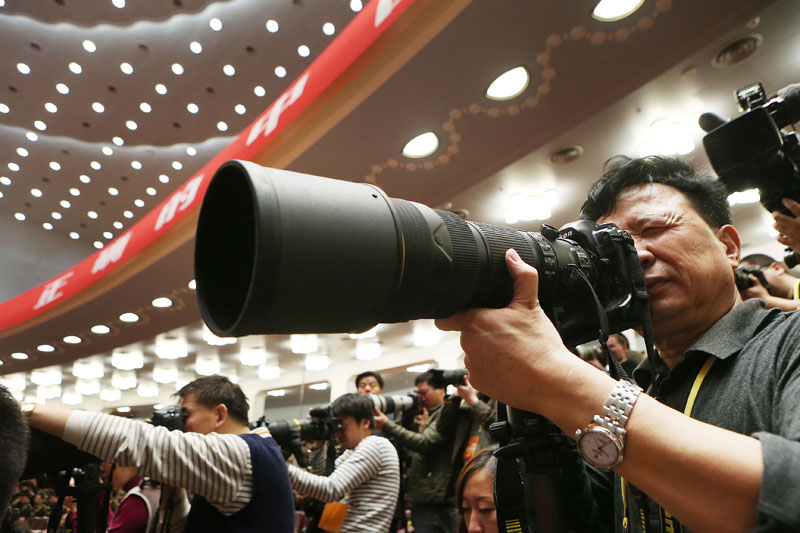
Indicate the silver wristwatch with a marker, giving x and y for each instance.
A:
(602, 443)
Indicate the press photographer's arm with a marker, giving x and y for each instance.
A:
(709, 478)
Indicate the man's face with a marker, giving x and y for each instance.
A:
(197, 418)
(687, 264)
(616, 347)
(430, 397)
(369, 385)
(352, 431)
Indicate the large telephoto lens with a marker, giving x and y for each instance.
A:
(283, 252)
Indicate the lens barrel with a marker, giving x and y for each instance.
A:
(284, 252)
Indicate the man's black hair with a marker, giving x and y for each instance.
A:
(708, 196)
(427, 377)
(359, 406)
(367, 374)
(622, 340)
(14, 446)
(760, 260)
(210, 391)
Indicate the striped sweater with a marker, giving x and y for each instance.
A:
(367, 477)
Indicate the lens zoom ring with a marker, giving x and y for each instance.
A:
(499, 239)
(466, 263)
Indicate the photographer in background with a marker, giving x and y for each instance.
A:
(715, 442)
(238, 477)
(619, 346)
(367, 474)
(14, 446)
(369, 383)
(430, 493)
(784, 289)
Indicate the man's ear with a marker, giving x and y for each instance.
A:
(729, 237)
(777, 267)
(221, 414)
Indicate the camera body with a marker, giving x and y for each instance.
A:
(169, 417)
(443, 378)
(742, 277)
(322, 425)
(751, 151)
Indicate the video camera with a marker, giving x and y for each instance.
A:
(752, 152)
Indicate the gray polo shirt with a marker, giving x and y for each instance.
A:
(753, 388)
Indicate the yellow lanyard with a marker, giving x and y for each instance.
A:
(698, 382)
(796, 292)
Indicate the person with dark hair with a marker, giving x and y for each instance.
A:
(475, 494)
(367, 474)
(784, 289)
(713, 442)
(369, 383)
(14, 446)
(238, 477)
(429, 476)
(618, 345)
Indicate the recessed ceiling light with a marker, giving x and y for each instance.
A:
(14, 167)
(163, 178)
(75, 68)
(74, 192)
(4, 108)
(259, 91)
(215, 24)
(119, 4)
(229, 70)
(119, 141)
(192, 108)
(107, 150)
(196, 47)
(162, 302)
(177, 165)
(56, 215)
(421, 145)
(62, 88)
(193, 284)
(32, 136)
(118, 225)
(240, 109)
(19, 216)
(356, 5)
(221, 126)
(123, 409)
(161, 88)
(55, 165)
(277, 392)
(45, 348)
(39, 125)
(272, 26)
(280, 71)
(85, 179)
(145, 107)
(48, 226)
(36, 192)
(509, 84)
(129, 317)
(74, 235)
(5, 181)
(23, 68)
(96, 165)
(328, 28)
(65, 204)
(51, 107)
(127, 214)
(92, 214)
(151, 191)
(22, 152)
(100, 329)
(98, 244)
(126, 68)
(113, 191)
(108, 234)
(98, 107)
(136, 165)
(89, 46)
(303, 51)
(131, 125)
(138, 202)
(72, 339)
(191, 150)
(611, 10)
(19, 355)
(177, 69)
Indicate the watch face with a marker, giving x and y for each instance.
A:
(599, 449)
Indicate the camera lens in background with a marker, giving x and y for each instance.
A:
(283, 252)
(394, 404)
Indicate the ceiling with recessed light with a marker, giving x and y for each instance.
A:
(108, 108)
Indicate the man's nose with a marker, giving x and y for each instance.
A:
(646, 257)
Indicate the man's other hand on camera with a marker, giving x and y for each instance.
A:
(788, 227)
(467, 392)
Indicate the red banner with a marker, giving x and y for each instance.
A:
(352, 42)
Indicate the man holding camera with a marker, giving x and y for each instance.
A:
(238, 477)
(367, 474)
(714, 439)
(784, 289)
